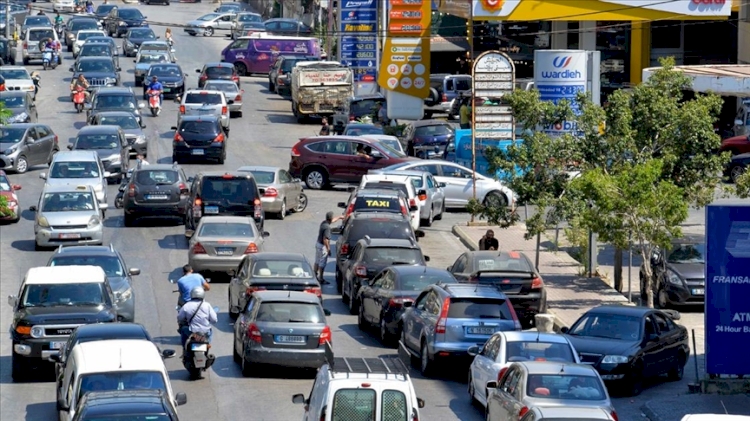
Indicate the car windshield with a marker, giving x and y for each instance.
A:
(219, 72)
(85, 169)
(387, 256)
(96, 66)
(68, 202)
(14, 74)
(419, 281)
(11, 134)
(110, 264)
(538, 351)
(15, 101)
(264, 177)
(37, 21)
(365, 107)
(95, 50)
(510, 262)
(203, 98)
(281, 268)
(479, 308)
(229, 190)
(391, 152)
(148, 177)
(377, 204)
(199, 127)
(361, 129)
(153, 58)
(210, 16)
(104, 8)
(687, 253)
(130, 14)
(114, 101)
(85, 35)
(133, 417)
(120, 380)
(143, 33)
(80, 25)
(249, 18)
(608, 326)
(226, 229)
(551, 386)
(124, 121)
(164, 71)
(97, 141)
(227, 88)
(290, 312)
(436, 130)
(71, 294)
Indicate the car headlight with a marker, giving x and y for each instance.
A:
(11, 150)
(673, 278)
(93, 221)
(126, 294)
(614, 359)
(42, 222)
(114, 158)
(109, 80)
(140, 139)
(37, 332)
(123, 24)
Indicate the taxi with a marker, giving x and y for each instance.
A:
(68, 215)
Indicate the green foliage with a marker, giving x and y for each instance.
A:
(4, 114)
(742, 187)
(5, 211)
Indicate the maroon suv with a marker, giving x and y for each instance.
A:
(324, 160)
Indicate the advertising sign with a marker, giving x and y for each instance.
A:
(560, 75)
(358, 26)
(727, 308)
(327, 77)
(494, 77)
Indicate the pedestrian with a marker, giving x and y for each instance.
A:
(381, 115)
(323, 246)
(325, 128)
(488, 241)
(465, 113)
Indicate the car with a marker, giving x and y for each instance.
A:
(459, 183)
(270, 271)
(79, 23)
(201, 103)
(280, 192)
(164, 2)
(121, 19)
(368, 257)
(98, 71)
(111, 261)
(68, 215)
(447, 319)
(21, 105)
(217, 71)
(240, 19)
(427, 139)
(444, 88)
(8, 191)
(231, 91)
(492, 359)
(51, 303)
(82, 36)
(158, 45)
(390, 141)
(430, 197)
(114, 99)
(628, 344)
(144, 60)
(281, 328)
(33, 43)
(357, 108)
(156, 190)
(207, 24)
(35, 21)
(102, 11)
(97, 50)
(736, 145)
(150, 404)
(63, 6)
(199, 136)
(511, 272)
(115, 49)
(223, 193)
(370, 224)
(545, 384)
(323, 160)
(285, 26)
(133, 39)
(245, 29)
(110, 143)
(378, 200)
(78, 168)
(281, 69)
(134, 134)
(737, 166)
(17, 78)
(678, 274)
(382, 299)
(25, 145)
(559, 413)
(220, 242)
(8, 50)
(170, 76)
(362, 129)
(237, 8)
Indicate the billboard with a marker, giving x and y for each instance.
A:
(494, 77)
(358, 26)
(727, 308)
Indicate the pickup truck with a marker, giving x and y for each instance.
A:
(444, 88)
(320, 88)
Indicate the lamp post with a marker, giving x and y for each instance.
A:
(473, 114)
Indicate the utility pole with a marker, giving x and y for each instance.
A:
(7, 19)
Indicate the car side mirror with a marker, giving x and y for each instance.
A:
(197, 70)
(134, 271)
(426, 258)
(299, 399)
(564, 329)
(43, 176)
(442, 184)
(180, 398)
(266, 234)
(12, 300)
(175, 129)
(739, 123)
(32, 208)
(408, 304)
(70, 147)
(16, 187)
(62, 404)
(103, 206)
(491, 385)
(327, 312)
(473, 350)
(342, 205)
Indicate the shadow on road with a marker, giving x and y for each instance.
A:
(23, 245)
(173, 242)
(41, 411)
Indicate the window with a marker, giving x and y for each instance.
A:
(432, 169)
(430, 183)
(121, 381)
(420, 281)
(200, 127)
(263, 177)
(455, 172)
(538, 351)
(337, 147)
(317, 147)
(281, 268)
(512, 262)
(510, 381)
(387, 256)
(432, 306)
(479, 308)
(422, 300)
(240, 44)
(125, 122)
(110, 264)
(219, 72)
(436, 130)
(460, 265)
(388, 281)
(394, 406)
(229, 191)
(490, 348)
(608, 326)
(353, 405)
(290, 312)
(231, 230)
(285, 177)
(687, 253)
(552, 386)
(662, 323)
(67, 202)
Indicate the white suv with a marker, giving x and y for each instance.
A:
(402, 183)
(201, 102)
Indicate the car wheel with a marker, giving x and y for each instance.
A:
(240, 68)
(361, 322)
(662, 299)
(495, 199)
(246, 370)
(385, 337)
(208, 32)
(22, 165)
(316, 178)
(430, 218)
(442, 211)
(425, 365)
(736, 172)
(471, 391)
(282, 212)
(635, 383)
(676, 373)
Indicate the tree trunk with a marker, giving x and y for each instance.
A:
(618, 269)
(538, 247)
(649, 281)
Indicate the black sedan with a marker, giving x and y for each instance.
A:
(628, 344)
(199, 136)
(121, 19)
(106, 41)
(21, 106)
(171, 77)
(737, 166)
(103, 10)
(678, 273)
(99, 71)
(134, 38)
(427, 138)
(382, 300)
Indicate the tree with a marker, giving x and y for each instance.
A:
(4, 114)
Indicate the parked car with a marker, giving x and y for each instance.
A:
(736, 145)
(284, 26)
(78, 23)
(444, 88)
(220, 242)
(280, 192)
(200, 137)
(134, 38)
(236, 8)
(427, 139)
(246, 29)
(26, 145)
(231, 91)
(628, 344)
(737, 166)
(362, 129)
(199, 103)
(144, 60)
(423, 192)
(560, 413)
(98, 71)
(207, 24)
(678, 273)
(151, 404)
(21, 106)
(78, 168)
(134, 134)
(156, 190)
(8, 191)
(114, 99)
(68, 215)
(218, 193)
(121, 19)
(217, 71)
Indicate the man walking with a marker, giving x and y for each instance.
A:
(323, 246)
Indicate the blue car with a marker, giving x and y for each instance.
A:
(121, 19)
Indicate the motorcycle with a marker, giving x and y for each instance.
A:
(79, 98)
(154, 102)
(49, 58)
(196, 358)
(60, 29)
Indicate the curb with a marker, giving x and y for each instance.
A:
(649, 413)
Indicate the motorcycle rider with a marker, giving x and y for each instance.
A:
(196, 316)
(140, 161)
(155, 85)
(41, 12)
(59, 19)
(79, 82)
(189, 281)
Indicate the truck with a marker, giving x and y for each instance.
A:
(321, 88)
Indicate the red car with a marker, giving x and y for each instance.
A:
(323, 160)
(8, 191)
(736, 145)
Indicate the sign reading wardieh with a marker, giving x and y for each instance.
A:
(560, 75)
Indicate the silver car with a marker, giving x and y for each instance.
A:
(280, 192)
(545, 384)
(17, 78)
(206, 25)
(387, 140)
(573, 413)
(231, 91)
(144, 60)
(158, 45)
(203, 102)
(220, 242)
(68, 215)
(77, 168)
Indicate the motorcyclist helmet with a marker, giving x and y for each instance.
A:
(197, 293)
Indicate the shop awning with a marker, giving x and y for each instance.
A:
(721, 79)
(440, 44)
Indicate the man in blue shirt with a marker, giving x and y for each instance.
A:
(189, 281)
(156, 86)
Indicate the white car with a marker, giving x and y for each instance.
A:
(17, 78)
(390, 141)
(82, 36)
(400, 183)
(64, 5)
(430, 195)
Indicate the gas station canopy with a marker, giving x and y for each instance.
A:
(721, 79)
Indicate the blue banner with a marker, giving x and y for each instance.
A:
(358, 21)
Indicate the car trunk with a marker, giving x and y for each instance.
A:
(290, 335)
(221, 246)
(474, 320)
(510, 283)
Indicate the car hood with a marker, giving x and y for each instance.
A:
(6, 145)
(591, 345)
(63, 314)
(106, 153)
(139, 41)
(68, 218)
(73, 181)
(96, 75)
(689, 270)
(18, 83)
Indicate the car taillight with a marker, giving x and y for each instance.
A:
(412, 203)
(314, 290)
(238, 98)
(399, 302)
(422, 197)
(204, 77)
(404, 210)
(360, 271)
(440, 326)
(325, 336)
(198, 249)
(523, 412)
(258, 208)
(251, 248)
(224, 110)
(131, 190)
(501, 373)
(178, 138)
(249, 290)
(182, 109)
(350, 209)
(345, 249)
(537, 283)
(55, 140)
(183, 189)
(254, 333)
(614, 415)
(351, 117)
(25, 45)
(513, 315)
(295, 150)
(280, 82)
(445, 98)
(220, 138)
(271, 192)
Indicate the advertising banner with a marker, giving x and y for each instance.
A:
(327, 77)
(560, 75)
(358, 26)
(494, 77)
(727, 307)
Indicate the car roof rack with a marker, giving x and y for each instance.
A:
(390, 364)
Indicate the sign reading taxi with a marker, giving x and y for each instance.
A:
(405, 63)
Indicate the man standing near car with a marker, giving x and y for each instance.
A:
(323, 246)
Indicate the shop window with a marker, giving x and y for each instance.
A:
(666, 35)
(613, 43)
(573, 38)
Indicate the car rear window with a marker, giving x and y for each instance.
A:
(290, 312)
(16, 101)
(225, 229)
(203, 98)
(389, 186)
(214, 72)
(387, 228)
(377, 204)
(281, 269)
(479, 308)
(538, 351)
(387, 256)
(199, 127)
(551, 386)
(511, 262)
(109, 264)
(420, 281)
(354, 405)
(437, 130)
(41, 34)
(394, 406)
(229, 190)
(156, 177)
(263, 177)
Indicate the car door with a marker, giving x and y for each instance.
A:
(368, 293)
(669, 335)
(240, 326)
(224, 22)
(413, 322)
(360, 165)
(46, 140)
(458, 184)
(459, 268)
(337, 157)
(291, 189)
(652, 348)
(35, 153)
(355, 257)
(382, 294)
(482, 365)
(505, 406)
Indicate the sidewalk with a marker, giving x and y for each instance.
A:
(673, 409)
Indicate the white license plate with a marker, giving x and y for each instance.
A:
(198, 152)
(481, 330)
(167, 89)
(211, 209)
(199, 347)
(224, 251)
(68, 236)
(699, 291)
(156, 197)
(290, 339)
(56, 345)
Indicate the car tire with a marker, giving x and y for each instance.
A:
(21, 165)
(208, 32)
(246, 368)
(345, 293)
(137, 83)
(425, 364)
(439, 216)
(361, 322)
(316, 178)
(495, 198)
(430, 218)
(282, 212)
(386, 338)
(676, 373)
(661, 299)
(353, 302)
(735, 172)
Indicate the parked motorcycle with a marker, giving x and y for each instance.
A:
(154, 102)
(79, 98)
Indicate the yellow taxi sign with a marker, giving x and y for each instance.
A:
(378, 203)
(82, 188)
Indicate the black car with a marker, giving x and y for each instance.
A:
(628, 344)
(121, 19)
(678, 273)
(225, 194)
(381, 301)
(285, 26)
(134, 38)
(157, 190)
(737, 166)
(98, 50)
(7, 52)
(21, 106)
(145, 404)
(110, 144)
(171, 77)
(358, 107)
(427, 138)
(199, 136)
(371, 255)
(221, 71)
(106, 41)
(98, 71)
(114, 99)
(78, 23)
(102, 11)
(137, 140)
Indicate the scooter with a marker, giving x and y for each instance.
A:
(195, 357)
(49, 58)
(154, 102)
(59, 28)
(79, 98)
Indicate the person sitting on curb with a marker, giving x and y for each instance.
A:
(488, 241)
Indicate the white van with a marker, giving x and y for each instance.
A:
(396, 182)
(112, 365)
(31, 42)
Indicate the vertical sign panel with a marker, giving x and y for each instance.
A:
(494, 77)
(358, 46)
(727, 303)
(560, 75)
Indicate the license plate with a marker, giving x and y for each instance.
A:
(199, 347)
(156, 197)
(481, 330)
(211, 209)
(290, 339)
(699, 291)
(167, 90)
(224, 251)
(56, 345)
(198, 152)
(68, 236)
